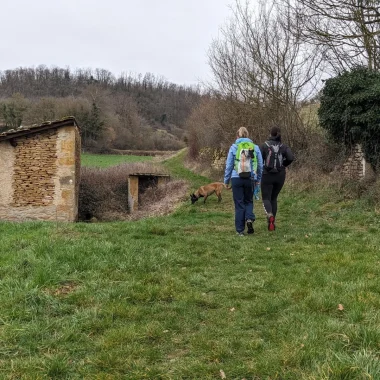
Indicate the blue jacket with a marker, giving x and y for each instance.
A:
(230, 171)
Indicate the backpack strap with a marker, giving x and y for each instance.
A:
(269, 144)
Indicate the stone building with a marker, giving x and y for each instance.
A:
(39, 172)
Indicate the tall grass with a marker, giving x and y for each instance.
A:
(180, 297)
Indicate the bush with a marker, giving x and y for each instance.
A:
(103, 193)
(321, 155)
(350, 111)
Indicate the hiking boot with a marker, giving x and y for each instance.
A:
(271, 225)
(240, 234)
(250, 227)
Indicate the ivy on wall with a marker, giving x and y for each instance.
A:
(350, 111)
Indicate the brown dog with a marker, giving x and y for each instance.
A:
(205, 191)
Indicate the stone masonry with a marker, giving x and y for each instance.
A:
(40, 172)
(356, 166)
(34, 167)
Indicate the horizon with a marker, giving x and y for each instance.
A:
(168, 39)
(92, 70)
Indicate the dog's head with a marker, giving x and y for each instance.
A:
(193, 198)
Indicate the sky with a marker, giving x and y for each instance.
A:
(168, 38)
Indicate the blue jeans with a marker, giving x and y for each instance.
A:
(242, 191)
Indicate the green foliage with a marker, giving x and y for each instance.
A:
(92, 126)
(12, 111)
(350, 110)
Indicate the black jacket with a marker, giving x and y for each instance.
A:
(285, 151)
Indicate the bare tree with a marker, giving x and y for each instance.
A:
(261, 62)
(348, 30)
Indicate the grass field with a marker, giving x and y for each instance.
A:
(181, 297)
(105, 160)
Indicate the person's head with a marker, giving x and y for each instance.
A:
(242, 132)
(275, 132)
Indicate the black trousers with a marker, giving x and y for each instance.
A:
(271, 185)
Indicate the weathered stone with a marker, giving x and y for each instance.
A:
(356, 166)
(40, 180)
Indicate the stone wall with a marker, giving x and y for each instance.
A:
(356, 166)
(35, 165)
(68, 174)
(40, 176)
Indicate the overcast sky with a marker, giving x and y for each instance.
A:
(164, 37)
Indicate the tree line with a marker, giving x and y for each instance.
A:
(270, 64)
(125, 112)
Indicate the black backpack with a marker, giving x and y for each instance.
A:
(275, 159)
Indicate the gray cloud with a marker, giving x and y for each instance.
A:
(167, 37)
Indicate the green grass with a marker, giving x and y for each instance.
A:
(105, 160)
(181, 297)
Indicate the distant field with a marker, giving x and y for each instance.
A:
(105, 160)
(309, 115)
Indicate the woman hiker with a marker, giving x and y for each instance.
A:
(277, 157)
(244, 166)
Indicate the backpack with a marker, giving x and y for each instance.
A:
(245, 159)
(275, 159)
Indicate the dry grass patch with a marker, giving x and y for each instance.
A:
(161, 200)
(65, 288)
(103, 193)
(204, 169)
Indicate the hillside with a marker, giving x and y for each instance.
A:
(125, 112)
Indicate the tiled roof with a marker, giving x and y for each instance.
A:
(22, 131)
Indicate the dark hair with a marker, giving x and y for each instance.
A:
(275, 131)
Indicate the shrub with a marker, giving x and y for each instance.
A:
(103, 193)
(320, 156)
(350, 111)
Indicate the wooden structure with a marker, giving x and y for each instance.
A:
(138, 182)
(40, 172)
